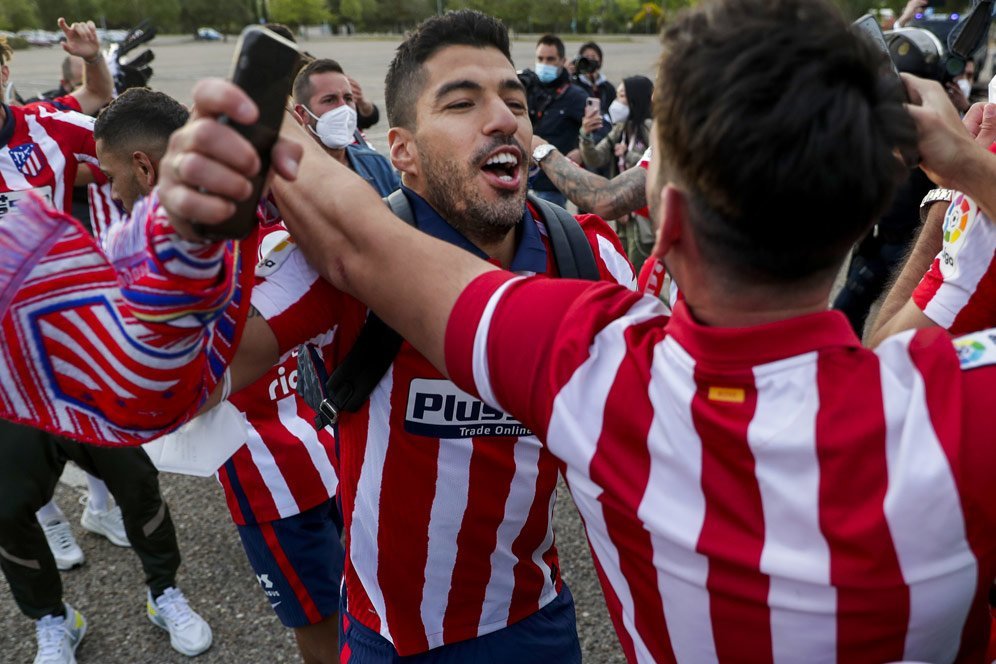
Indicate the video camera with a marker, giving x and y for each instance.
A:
(920, 52)
(583, 65)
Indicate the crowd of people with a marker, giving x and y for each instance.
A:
(756, 485)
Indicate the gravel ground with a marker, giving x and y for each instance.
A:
(220, 585)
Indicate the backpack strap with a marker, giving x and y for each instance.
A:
(571, 250)
(353, 381)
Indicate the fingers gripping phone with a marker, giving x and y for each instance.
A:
(263, 66)
(592, 106)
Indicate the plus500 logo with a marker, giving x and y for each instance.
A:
(439, 409)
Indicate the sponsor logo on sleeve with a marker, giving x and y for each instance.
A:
(439, 409)
(958, 221)
(275, 248)
(976, 350)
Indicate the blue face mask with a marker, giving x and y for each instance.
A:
(547, 73)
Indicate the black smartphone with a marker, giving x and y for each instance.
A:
(263, 66)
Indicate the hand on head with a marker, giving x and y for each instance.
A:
(207, 165)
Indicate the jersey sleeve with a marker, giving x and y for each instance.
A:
(297, 303)
(515, 341)
(958, 292)
(72, 130)
(613, 265)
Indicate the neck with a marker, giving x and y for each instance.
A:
(502, 250)
(737, 308)
(338, 155)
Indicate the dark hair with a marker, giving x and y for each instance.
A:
(552, 40)
(406, 75)
(778, 122)
(639, 96)
(140, 119)
(302, 84)
(594, 47)
(281, 30)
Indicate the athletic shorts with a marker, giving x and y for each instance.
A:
(549, 636)
(298, 563)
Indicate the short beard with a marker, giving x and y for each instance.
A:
(448, 190)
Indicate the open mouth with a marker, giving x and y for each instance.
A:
(503, 169)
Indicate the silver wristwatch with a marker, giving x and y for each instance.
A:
(935, 196)
(542, 151)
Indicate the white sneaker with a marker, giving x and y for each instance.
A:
(107, 523)
(188, 632)
(59, 636)
(67, 552)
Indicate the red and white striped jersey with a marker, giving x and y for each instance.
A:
(958, 292)
(285, 467)
(447, 502)
(767, 494)
(42, 147)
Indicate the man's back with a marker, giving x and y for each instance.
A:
(774, 493)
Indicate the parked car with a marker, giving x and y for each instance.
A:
(208, 34)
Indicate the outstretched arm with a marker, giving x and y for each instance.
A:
(609, 199)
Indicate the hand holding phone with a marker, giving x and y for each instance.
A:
(592, 106)
(263, 67)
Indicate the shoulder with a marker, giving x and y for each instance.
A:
(613, 262)
(575, 94)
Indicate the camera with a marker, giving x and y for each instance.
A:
(921, 51)
(583, 65)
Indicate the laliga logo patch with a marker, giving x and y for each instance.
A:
(976, 350)
(959, 219)
(29, 160)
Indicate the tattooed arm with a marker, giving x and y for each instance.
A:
(609, 199)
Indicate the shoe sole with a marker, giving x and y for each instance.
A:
(174, 646)
(65, 567)
(96, 530)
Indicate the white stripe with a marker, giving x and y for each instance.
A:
(364, 556)
(673, 507)
(923, 510)
(501, 585)
(482, 373)
(268, 469)
(796, 555)
(276, 295)
(69, 117)
(75, 372)
(617, 264)
(304, 431)
(575, 426)
(549, 592)
(56, 160)
(449, 506)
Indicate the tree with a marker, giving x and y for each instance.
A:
(17, 15)
(226, 15)
(296, 13)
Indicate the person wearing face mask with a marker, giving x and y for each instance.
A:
(556, 109)
(325, 105)
(621, 149)
(960, 88)
(593, 81)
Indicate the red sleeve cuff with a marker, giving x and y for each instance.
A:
(461, 329)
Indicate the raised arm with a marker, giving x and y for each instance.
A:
(98, 86)
(609, 199)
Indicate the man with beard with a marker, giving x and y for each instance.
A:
(447, 502)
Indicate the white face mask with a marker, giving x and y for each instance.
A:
(618, 112)
(335, 128)
(965, 87)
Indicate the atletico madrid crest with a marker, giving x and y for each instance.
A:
(28, 159)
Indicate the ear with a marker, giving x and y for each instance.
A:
(404, 152)
(301, 115)
(673, 211)
(145, 170)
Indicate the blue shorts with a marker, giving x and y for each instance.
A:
(298, 563)
(549, 636)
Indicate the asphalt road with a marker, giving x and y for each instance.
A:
(215, 576)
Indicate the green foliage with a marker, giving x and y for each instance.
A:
(17, 15)
(299, 12)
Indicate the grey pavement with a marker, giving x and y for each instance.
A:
(215, 576)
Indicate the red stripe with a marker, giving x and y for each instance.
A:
(733, 529)
(935, 359)
(873, 603)
(345, 652)
(929, 285)
(615, 608)
(254, 487)
(492, 467)
(233, 503)
(406, 549)
(623, 470)
(303, 597)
